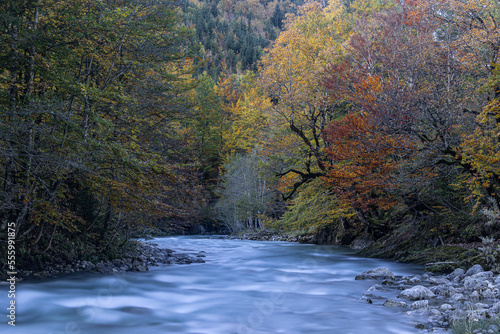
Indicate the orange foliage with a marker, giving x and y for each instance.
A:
(362, 160)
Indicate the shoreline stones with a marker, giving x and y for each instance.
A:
(435, 302)
(146, 255)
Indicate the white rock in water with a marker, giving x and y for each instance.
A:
(418, 292)
(379, 273)
(394, 303)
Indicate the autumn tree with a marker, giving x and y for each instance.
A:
(89, 109)
(289, 75)
(410, 104)
(248, 114)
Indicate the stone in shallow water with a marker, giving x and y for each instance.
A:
(394, 303)
(378, 273)
(420, 304)
(417, 292)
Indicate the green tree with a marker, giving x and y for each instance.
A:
(91, 97)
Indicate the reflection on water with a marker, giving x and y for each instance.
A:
(244, 287)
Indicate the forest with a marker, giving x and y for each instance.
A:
(374, 123)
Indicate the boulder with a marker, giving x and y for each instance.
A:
(475, 269)
(445, 291)
(459, 272)
(379, 273)
(472, 283)
(418, 292)
(457, 298)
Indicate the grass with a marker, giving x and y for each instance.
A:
(471, 326)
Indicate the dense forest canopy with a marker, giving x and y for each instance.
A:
(382, 121)
(232, 34)
(97, 106)
(361, 118)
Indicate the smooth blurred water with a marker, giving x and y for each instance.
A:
(244, 287)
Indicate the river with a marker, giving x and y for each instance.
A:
(245, 287)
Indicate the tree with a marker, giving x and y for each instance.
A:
(248, 117)
(289, 75)
(410, 102)
(89, 94)
(245, 196)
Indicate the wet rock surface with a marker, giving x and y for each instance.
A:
(435, 302)
(146, 255)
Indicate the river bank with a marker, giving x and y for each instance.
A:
(468, 299)
(437, 258)
(460, 287)
(140, 257)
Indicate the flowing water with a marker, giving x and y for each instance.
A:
(244, 287)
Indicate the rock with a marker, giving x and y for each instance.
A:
(475, 295)
(457, 298)
(495, 308)
(439, 280)
(445, 291)
(446, 307)
(379, 273)
(390, 283)
(366, 299)
(394, 303)
(376, 287)
(372, 292)
(418, 292)
(363, 241)
(489, 293)
(420, 304)
(475, 269)
(471, 283)
(481, 306)
(142, 268)
(415, 279)
(483, 275)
